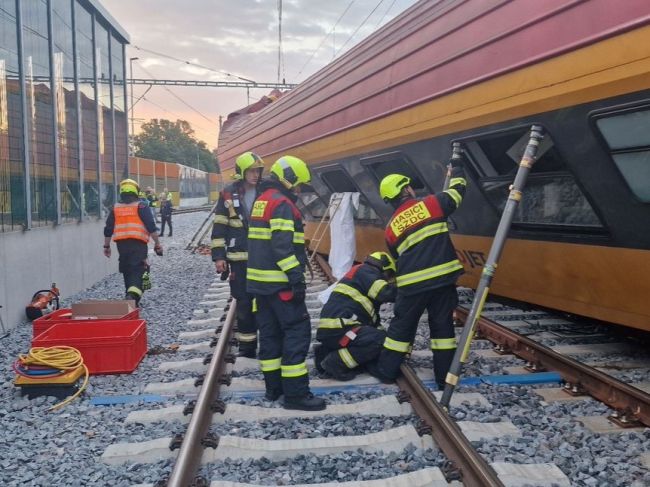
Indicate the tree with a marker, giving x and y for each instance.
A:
(164, 140)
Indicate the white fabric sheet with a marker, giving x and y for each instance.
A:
(343, 245)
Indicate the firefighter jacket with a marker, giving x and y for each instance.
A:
(230, 228)
(130, 221)
(418, 237)
(276, 241)
(355, 300)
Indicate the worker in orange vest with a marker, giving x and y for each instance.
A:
(130, 223)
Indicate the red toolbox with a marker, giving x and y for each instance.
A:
(65, 315)
(107, 346)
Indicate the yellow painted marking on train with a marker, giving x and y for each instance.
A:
(594, 72)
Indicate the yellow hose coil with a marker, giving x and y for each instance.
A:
(62, 358)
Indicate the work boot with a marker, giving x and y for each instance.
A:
(373, 369)
(320, 352)
(304, 403)
(134, 297)
(334, 366)
(248, 353)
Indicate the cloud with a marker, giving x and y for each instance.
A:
(151, 61)
(238, 37)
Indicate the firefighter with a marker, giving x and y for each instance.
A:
(349, 327)
(276, 266)
(427, 268)
(130, 223)
(230, 243)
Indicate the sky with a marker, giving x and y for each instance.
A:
(237, 37)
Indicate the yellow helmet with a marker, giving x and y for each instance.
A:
(383, 260)
(129, 186)
(291, 171)
(391, 186)
(246, 161)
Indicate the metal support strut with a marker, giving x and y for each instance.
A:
(516, 192)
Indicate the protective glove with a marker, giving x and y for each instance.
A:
(158, 250)
(299, 291)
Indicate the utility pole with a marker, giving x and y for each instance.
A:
(132, 114)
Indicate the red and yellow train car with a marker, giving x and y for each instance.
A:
(482, 72)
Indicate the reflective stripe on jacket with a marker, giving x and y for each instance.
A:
(418, 237)
(128, 223)
(230, 225)
(276, 242)
(355, 300)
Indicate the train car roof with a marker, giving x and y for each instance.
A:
(432, 50)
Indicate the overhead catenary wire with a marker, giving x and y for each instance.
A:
(325, 38)
(359, 27)
(190, 63)
(180, 99)
(179, 117)
(385, 14)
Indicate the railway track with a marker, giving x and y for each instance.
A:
(192, 209)
(232, 428)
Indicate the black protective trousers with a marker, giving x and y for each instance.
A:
(132, 258)
(285, 332)
(246, 326)
(440, 304)
(365, 347)
(168, 220)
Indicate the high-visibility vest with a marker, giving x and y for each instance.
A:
(128, 223)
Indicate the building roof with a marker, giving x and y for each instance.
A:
(101, 11)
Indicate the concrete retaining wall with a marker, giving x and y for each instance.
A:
(70, 255)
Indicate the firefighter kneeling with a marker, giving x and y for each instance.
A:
(275, 276)
(349, 326)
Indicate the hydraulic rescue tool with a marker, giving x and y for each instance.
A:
(43, 302)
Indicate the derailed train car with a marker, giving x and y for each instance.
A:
(482, 72)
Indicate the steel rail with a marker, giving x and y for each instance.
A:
(610, 391)
(189, 456)
(475, 471)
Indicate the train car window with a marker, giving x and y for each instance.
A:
(381, 166)
(504, 153)
(338, 181)
(311, 204)
(628, 139)
(552, 198)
